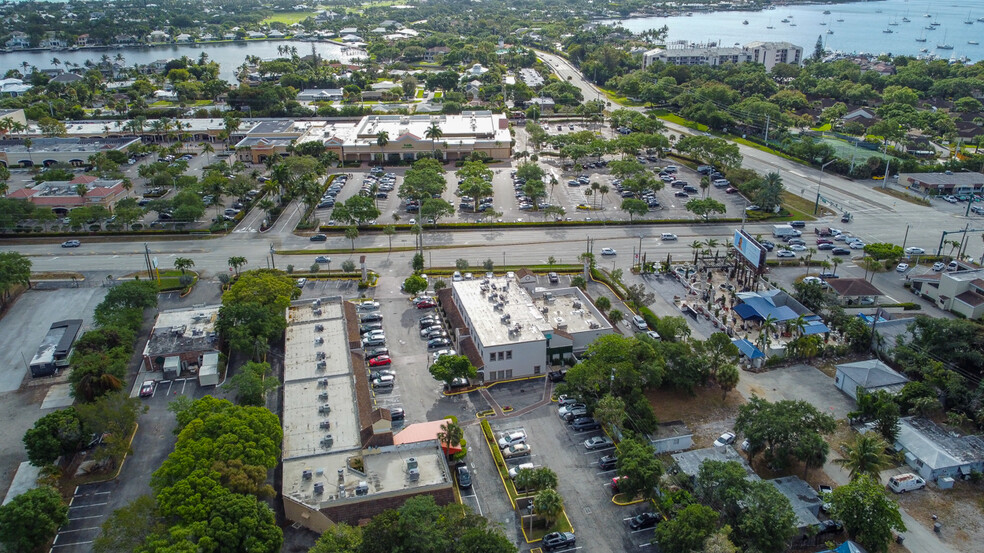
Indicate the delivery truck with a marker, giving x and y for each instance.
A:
(785, 231)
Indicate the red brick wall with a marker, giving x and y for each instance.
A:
(353, 513)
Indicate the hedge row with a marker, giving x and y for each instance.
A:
(534, 224)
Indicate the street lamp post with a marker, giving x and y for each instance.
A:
(816, 206)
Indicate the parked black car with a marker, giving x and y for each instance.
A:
(607, 462)
(557, 376)
(558, 540)
(645, 520)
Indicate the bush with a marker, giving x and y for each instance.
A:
(348, 266)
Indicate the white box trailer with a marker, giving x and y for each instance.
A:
(208, 372)
(784, 231)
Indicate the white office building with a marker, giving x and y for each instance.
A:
(509, 331)
(766, 53)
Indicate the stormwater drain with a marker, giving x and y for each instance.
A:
(587, 510)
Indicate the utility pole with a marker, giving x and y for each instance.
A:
(766, 130)
(905, 238)
(888, 163)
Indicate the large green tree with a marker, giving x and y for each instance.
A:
(449, 367)
(15, 269)
(686, 532)
(868, 514)
(637, 463)
(31, 519)
(780, 427)
(53, 435)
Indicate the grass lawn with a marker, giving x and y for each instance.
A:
(420, 93)
(821, 128)
(170, 278)
(674, 118)
(288, 18)
(438, 94)
(801, 209)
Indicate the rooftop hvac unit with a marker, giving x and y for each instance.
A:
(505, 318)
(411, 463)
(576, 305)
(317, 303)
(306, 475)
(362, 488)
(319, 340)
(593, 325)
(323, 396)
(319, 328)
(414, 474)
(320, 355)
(323, 382)
(544, 310)
(325, 425)
(341, 476)
(319, 488)
(324, 409)
(317, 312)
(322, 365)
(327, 441)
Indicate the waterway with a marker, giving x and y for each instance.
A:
(853, 28)
(229, 55)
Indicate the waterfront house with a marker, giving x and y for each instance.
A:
(158, 37)
(18, 40)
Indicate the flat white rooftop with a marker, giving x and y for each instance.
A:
(385, 471)
(314, 395)
(502, 312)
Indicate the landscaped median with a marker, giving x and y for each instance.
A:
(534, 527)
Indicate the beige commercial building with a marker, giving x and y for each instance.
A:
(340, 460)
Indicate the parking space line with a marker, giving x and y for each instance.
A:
(89, 505)
(639, 530)
(84, 518)
(54, 545)
(79, 529)
(605, 472)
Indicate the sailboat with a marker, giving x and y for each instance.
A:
(922, 38)
(944, 45)
(968, 21)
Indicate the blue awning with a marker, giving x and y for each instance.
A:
(747, 312)
(815, 327)
(747, 348)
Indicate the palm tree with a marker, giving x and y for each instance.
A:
(595, 189)
(81, 190)
(765, 333)
(696, 245)
(548, 504)
(810, 252)
(799, 323)
(208, 149)
(603, 190)
(382, 139)
(450, 435)
(183, 263)
(434, 133)
(865, 455)
(236, 262)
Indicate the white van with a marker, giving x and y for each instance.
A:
(639, 323)
(456, 277)
(668, 236)
(902, 483)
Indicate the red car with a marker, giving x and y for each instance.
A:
(615, 482)
(380, 361)
(824, 241)
(426, 304)
(730, 190)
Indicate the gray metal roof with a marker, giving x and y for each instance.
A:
(690, 461)
(871, 374)
(803, 499)
(936, 447)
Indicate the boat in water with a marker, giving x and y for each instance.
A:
(906, 20)
(745, 22)
(974, 42)
(826, 12)
(888, 31)
(830, 31)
